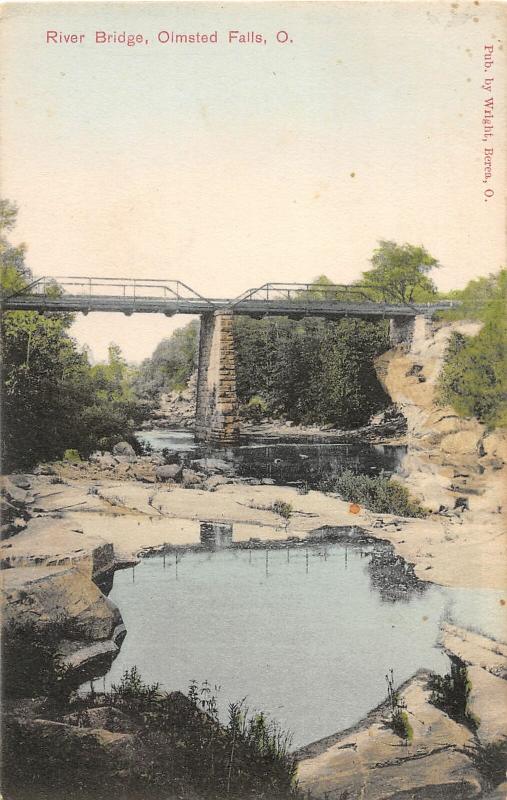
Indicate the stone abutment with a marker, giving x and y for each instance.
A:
(217, 417)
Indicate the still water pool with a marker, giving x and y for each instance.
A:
(306, 639)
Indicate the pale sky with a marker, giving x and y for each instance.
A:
(230, 165)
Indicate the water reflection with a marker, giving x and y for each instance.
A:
(305, 463)
(296, 629)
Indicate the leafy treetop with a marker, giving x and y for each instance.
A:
(400, 273)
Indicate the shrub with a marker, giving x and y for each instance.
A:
(178, 749)
(282, 508)
(474, 375)
(379, 493)
(255, 409)
(72, 456)
(30, 662)
(265, 747)
(451, 693)
(491, 761)
(132, 689)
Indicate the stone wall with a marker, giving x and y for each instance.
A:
(217, 419)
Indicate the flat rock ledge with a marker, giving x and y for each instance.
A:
(54, 542)
(369, 762)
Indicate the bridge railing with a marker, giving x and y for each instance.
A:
(303, 293)
(174, 290)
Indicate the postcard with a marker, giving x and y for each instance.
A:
(254, 400)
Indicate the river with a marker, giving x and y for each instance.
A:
(286, 463)
(304, 634)
(308, 641)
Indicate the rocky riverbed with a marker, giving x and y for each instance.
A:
(70, 526)
(82, 522)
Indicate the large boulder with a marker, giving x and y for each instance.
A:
(191, 478)
(170, 457)
(44, 596)
(69, 612)
(169, 472)
(124, 449)
(103, 460)
(22, 481)
(214, 481)
(213, 466)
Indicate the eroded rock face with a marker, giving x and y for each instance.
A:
(63, 599)
(369, 762)
(178, 408)
(449, 458)
(47, 594)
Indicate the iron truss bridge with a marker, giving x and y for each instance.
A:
(169, 297)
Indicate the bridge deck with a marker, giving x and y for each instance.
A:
(253, 308)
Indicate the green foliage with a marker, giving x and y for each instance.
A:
(282, 508)
(398, 720)
(178, 748)
(400, 273)
(255, 410)
(263, 744)
(311, 371)
(14, 274)
(379, 493)
(474, 376)
(72, 456)
(132, 690)
(30, 663)
(451, 693)
(491, 761)
(474, 300)
(53, 400)
(171, 364)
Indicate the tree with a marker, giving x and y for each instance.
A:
(14, 274)
(172, 363)
(400, 273)
(311, 371)
(474, 376)
(52, 400)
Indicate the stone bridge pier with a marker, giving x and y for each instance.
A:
(217, 411)
(217, 408)
(411, 332)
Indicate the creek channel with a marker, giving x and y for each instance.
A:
(305, 634)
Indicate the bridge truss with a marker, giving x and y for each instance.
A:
(166, 296)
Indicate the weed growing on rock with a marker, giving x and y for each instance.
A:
(282, 508)
(132, 690)
(398, 721)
